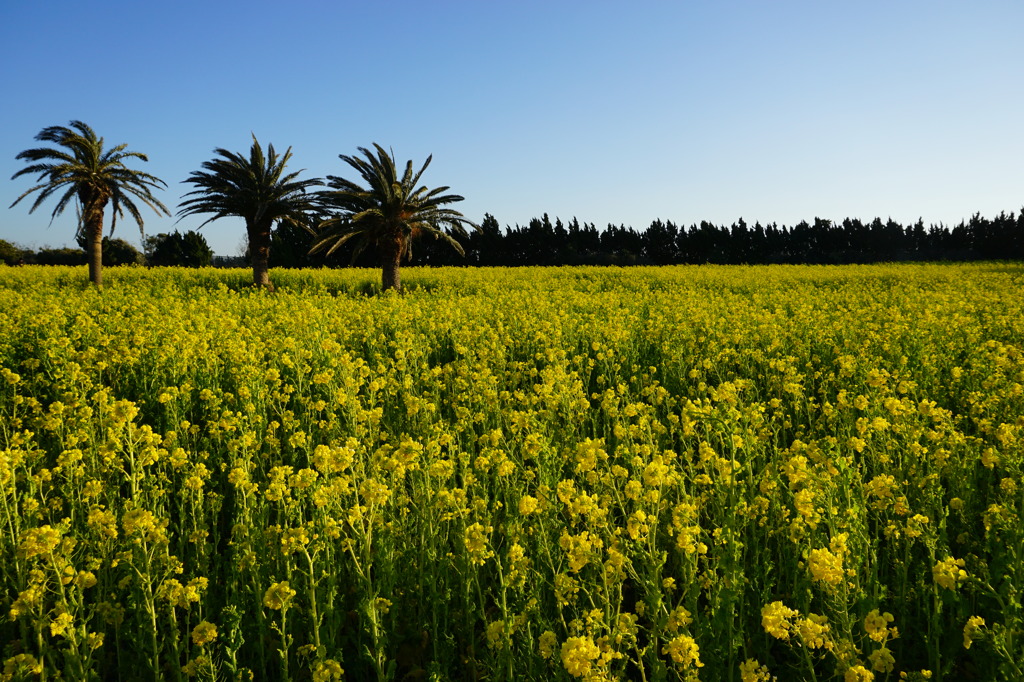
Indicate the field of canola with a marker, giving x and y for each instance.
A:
(715, 473)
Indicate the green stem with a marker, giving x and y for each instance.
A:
(312, 602)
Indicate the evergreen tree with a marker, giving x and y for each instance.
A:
(189, 250)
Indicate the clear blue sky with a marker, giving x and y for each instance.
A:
(611, 112)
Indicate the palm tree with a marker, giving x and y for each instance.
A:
(92, 177)
(254, 189)
(387, 215)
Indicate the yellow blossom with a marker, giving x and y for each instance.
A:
(580, 548)
(60, 624)
(825, 566)
(495, 631)
(327, 670)
(547, 643)
(678, 618)
(813, 631)
(776, 619)
(858, 673)
(876, 625)
(293, 540)
(476, 543)
(38, 541)
(684, 652)
(94, 640)
(278, 596)
(949, 573)
(882, 660)
(579, 654)
(21, 664)
(204, 633)
(752, 671)
(527, 505)
(972, 630)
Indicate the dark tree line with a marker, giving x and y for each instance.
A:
(176, 249)
(543, 242)
(115, 252)
(189, 249)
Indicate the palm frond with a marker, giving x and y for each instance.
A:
(80, 166)
(388, 209)
(254, 188)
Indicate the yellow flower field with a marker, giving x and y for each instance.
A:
(715, 473)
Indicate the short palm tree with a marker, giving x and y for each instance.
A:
(388, 214)
(254, 189)
(91, 176)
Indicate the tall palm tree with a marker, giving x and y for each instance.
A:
(92, 177)
(254, 189)
(388, 214)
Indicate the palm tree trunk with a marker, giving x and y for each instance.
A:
(259, 248)
(391, 277)
(93, 217)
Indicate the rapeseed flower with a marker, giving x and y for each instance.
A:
(825, 566)
(876, 625)
(949, 573)
(972, 630)
(858, 673)
(579, 655)
(777, 620)
(204, 633)
(327, 670)
(678, 618)
(528, 505)
(753, 671)
(476, 543)
(39, 541)
(882, 660)
(547, 643)
(683, 651)
(814, 631)
(59, 625)
(278, 596)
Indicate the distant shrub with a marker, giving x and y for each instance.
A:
(10, 254)
(189, 250)
(64, 256)
(120, 252)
